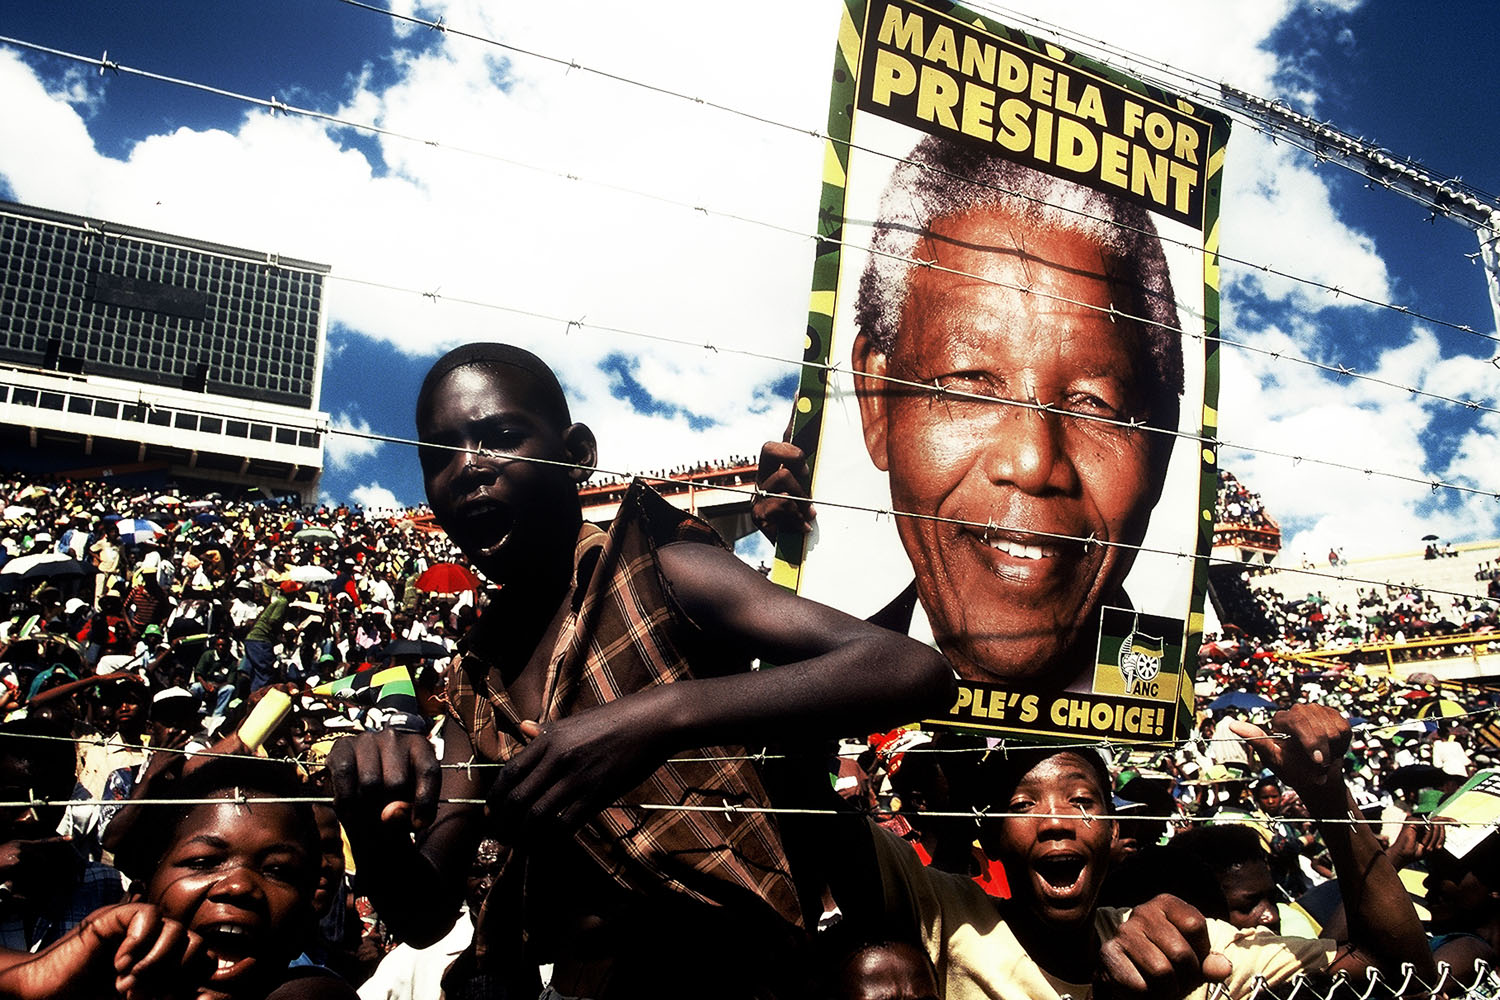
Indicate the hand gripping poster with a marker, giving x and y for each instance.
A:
(1010, 371)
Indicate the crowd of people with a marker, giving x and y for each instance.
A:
(168, 660)
(737, 470)
(1240, 517)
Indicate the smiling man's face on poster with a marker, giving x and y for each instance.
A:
(1031, 438)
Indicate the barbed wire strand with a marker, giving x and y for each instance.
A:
(1203, 89)
(1213, 100)
(1002, 745)
(978, 815)
(830, 368)
(755, 492)
(278, 106)
(1338, 370)
(835, 368)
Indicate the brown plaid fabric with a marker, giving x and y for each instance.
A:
(620, 633)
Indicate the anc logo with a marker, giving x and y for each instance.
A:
(1140, 659)
(1138, 655)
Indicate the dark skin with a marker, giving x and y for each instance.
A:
(1383, 927)
(1461, 899)
(1169, 953)
(1250, 892)
(518, 521)
(892, 971)
(1163, 950)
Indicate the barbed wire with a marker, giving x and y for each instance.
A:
(278, 106)
(1002, 746)
(836, 368)
(756, 492)
(1202, 89)
(1212, 100)
(1338, 370)
(978, 815)
(832, 368)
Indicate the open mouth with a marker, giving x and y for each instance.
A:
(232, 947)
(486, 524)
(1029, 556)
(1061, 874)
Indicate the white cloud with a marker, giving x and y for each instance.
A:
(1335, 428)
(469, 226)
(1278, 212)
(342, 450)
(375, 498)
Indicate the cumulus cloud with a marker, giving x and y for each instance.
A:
(1265, 181)
(1325, 452)
(564, 196)
(341, 451)
(375, 498)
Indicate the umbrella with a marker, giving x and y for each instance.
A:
(16, 512)
(32, 492)
(310, 574)
(58, 639)
(44, 565)
(1415, 776)
(135, 530)
(1441, 708)
(416, 647)
(167, 500)
(315, 535)
(1429, 538)
(447, 578)
(207, 517)
(1239, 699)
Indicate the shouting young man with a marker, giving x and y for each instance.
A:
(611, 677)
(1053, 831)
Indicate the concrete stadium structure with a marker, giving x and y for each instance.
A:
(141, 356)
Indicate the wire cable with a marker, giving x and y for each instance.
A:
(279, 106)
(1212, 99)
(754, 492)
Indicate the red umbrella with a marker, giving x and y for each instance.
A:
(447, 578)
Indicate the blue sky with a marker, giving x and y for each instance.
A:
(476, 226)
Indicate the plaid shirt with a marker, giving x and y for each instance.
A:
(28, 929)
(620, 632)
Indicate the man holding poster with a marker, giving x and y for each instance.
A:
(1005, 368)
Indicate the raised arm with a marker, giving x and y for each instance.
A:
(837, 675)
(1306, 749)
(782, 471)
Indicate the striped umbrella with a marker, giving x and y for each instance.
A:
(135, 530)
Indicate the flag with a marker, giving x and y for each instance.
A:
(389, 689)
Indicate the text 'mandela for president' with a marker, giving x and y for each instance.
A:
(947, 78)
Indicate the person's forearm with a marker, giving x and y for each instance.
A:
(901, 681)
(1383, 925)
(417, 901)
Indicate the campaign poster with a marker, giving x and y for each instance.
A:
(1010, 372)
(1474, 810)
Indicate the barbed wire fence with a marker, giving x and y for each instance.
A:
(1484, 984)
